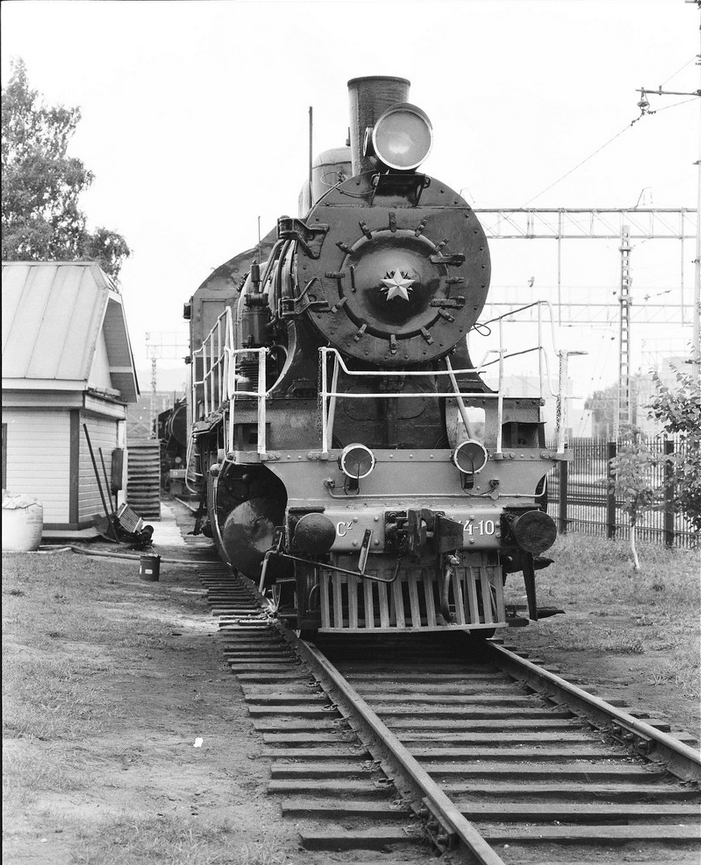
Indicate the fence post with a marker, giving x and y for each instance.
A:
(610, 492)
(668, 494)
(562, 498)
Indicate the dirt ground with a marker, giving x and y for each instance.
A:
(134, 783)
(621, 679)
(161, 695)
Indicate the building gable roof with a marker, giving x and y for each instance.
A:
(52, 317)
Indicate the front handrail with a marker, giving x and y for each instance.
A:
(221, 384)
(330, 396)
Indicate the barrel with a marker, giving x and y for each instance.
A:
(22, 523)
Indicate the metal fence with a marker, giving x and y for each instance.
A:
(581, 498)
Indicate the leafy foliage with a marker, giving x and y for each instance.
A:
(634, 480)
(678, 407)
(41, 184)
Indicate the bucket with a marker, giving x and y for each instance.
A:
(22, 523)
(149, 568)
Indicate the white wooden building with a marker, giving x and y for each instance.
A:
(66, 362)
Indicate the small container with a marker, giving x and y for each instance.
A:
(150, 568)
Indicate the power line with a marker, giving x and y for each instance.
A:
(644, 106)
(579, 164)
(674, 75)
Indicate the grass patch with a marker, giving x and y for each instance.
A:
(50, 698)
(29, 770)
(66, 622)
(612, 610)
(126, 840)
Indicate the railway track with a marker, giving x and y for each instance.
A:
(438, 746)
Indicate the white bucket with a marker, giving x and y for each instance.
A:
(22, 523)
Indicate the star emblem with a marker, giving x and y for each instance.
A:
(397, 284)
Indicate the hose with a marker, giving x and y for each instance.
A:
(102, 554)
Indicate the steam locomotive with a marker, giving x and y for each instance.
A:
(350, 458)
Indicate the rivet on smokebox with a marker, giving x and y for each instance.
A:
(149, 568)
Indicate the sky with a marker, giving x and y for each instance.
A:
(195, 125)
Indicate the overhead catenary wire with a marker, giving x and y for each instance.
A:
(643, 113)
(681, 69)
(580, 164)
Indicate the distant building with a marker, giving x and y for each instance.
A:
(67, 364)
(603, 404)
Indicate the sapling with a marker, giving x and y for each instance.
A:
(634, 481)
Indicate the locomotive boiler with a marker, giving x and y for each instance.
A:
(351, 459)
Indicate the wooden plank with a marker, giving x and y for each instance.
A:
(351, 839)
(324, 591)
(319, 786)
(412, 579)
(660, 832)
(497, 581)
(352, 602)
(557, 753)
(457, 580)
(398, 601)
(384, 605)
(609, 773)
(486, 597)
(369, 604)
(307, 738)
(411, 685)
(337, 601)
(488, 723)
(472, 575)
(428, 595)
(435, 713)
(576, 811)
(440, 700)
(468, 739)
(341, 808)
(349, 768)
(572, 789)
(330, 753)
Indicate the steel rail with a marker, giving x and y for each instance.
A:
(402, 763)
(680, 759)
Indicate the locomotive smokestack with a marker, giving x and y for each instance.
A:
(370, 97)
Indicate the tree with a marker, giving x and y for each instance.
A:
(633, 479)
(679, 408)
(41, 184)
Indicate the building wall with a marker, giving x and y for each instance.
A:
(104, 434)
(47, 457)
(100, 370)
(38, 458)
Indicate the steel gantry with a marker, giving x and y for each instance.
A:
(605, 223)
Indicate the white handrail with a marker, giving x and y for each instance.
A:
(329, 397)
(219, 359)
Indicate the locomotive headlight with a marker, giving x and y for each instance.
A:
(356, 461)
(402, 137)
(470, 457)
